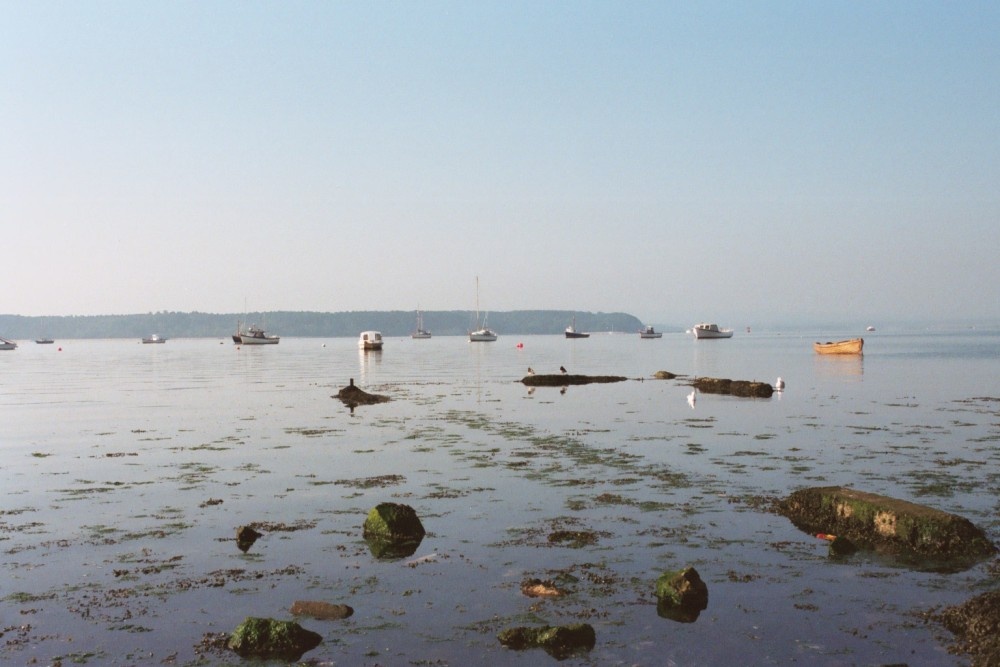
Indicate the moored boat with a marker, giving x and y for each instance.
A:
(850, 346)
(706, 330)
(571, 331)
(483, 334)
(7, 344)
(421, 332)
(370, 340)
(257, 336)
(650, 332)
(153, 339)
(44, 341)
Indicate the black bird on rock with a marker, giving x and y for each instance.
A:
(562, 369)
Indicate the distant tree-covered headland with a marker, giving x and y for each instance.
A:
(308, 324)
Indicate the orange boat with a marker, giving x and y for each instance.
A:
(851, 346)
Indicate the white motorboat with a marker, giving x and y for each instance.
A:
(153, 339)
(257, 336)
(706, 330)
(7, 344)
(650, 332)
(370, 340)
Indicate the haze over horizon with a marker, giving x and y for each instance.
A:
(680, 162)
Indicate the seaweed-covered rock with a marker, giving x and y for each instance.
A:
(245, 537)
(393, 530)
(565, 380)
(324, 611)
(664, 375)
(976, 623)
(267, 638)
(681, 595)
(352, 396)
(745, 388)
(560, 641)
(916, 535)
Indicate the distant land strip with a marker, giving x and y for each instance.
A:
(310, 324)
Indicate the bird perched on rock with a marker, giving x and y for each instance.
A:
(562, 369)
(692, 398)
(531, 371)
(779, 384)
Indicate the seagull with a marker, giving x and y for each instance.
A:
(779, 384)
(692, 397)
(563, 369)
(531, 371)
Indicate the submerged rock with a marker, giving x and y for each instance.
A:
(536, 588)
(393, 530)
(323, 611)
(267, 638)
(733, 387)
(681, 595)
(245, 537)
(560, 641)
(916, 535)
(352, 396)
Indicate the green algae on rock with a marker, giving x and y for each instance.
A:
(393, 530)
(917, 535)
(681, 595)
(559, 641)
(267, 638)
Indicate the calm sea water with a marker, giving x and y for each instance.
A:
(115, 547)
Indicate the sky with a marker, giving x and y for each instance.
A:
(733, 162)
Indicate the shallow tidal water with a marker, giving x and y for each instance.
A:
(127, 468)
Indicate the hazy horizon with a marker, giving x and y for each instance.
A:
(679, 162)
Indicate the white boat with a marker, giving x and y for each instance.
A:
(7, 344)
(706, 330)
(869, 328)
(155, 338)
(257, 336)
(370, 340)
(483, 334)
(650, 332)
(421, 332)
(44, 341)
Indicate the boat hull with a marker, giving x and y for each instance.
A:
(709, 331)
(851, 346)
(577, 334)
(259, 340)
(643, 334)
(482, 336)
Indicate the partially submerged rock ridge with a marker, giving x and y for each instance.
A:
(747, 388)
(560, 380)
(918, 535)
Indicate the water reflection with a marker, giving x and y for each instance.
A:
(843, 367)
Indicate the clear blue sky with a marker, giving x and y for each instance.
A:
(735, 162)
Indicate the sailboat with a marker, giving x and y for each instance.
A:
(420, 332)
(483, 334)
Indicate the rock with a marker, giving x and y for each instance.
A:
(352, 396)
(267, 638)
(664, 375)
(323, 611)
(733, 387)
(977, 623)
(841, 546)
(564, 380)
(681, 595)
(245, 537)
(559, 641)
(916, 535)
(536, 588)
(393, 530)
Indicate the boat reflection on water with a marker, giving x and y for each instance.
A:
(848, 367)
